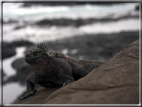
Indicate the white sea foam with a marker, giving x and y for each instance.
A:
(112, 27)
(74, 51)
(8, 27)
(37, 34)
(12, 10)
(65, 51)
(11, 91)
(7, 67)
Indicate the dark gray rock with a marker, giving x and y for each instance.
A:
(79, 22)
(22, 71)
(100, 47)
(67, 3)
(8, 49)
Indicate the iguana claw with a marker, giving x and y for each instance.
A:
(64, 84)
(27, 95)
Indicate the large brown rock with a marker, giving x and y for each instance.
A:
(115, 82)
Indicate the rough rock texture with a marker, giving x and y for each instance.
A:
(78, 22)
(8, 49)
(115, 82)
(65, 3)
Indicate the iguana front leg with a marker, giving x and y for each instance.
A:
(32, 83)
(31, 87)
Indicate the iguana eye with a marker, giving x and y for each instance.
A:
(35, 53)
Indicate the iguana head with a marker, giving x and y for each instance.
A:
(35, 55)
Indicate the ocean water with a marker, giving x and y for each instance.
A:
(7, 67)
(38, 34)
(12, 90)
(14, 10)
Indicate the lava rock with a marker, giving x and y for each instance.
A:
(66, 3)
(100, 47)
(22, 71)
(79, 22)
(8, 49)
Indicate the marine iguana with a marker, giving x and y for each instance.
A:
(53, 69)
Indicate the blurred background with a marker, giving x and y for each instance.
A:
(91, 31)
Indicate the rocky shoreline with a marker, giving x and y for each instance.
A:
(9, 49)
(79, 22)
(72, 22)
(99, 47)
(67, 3)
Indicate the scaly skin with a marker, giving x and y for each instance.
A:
(53, 69)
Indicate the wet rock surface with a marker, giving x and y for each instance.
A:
(66, 3)
(8, 48)
(79, 22)
(99, 47)
(22, 72)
